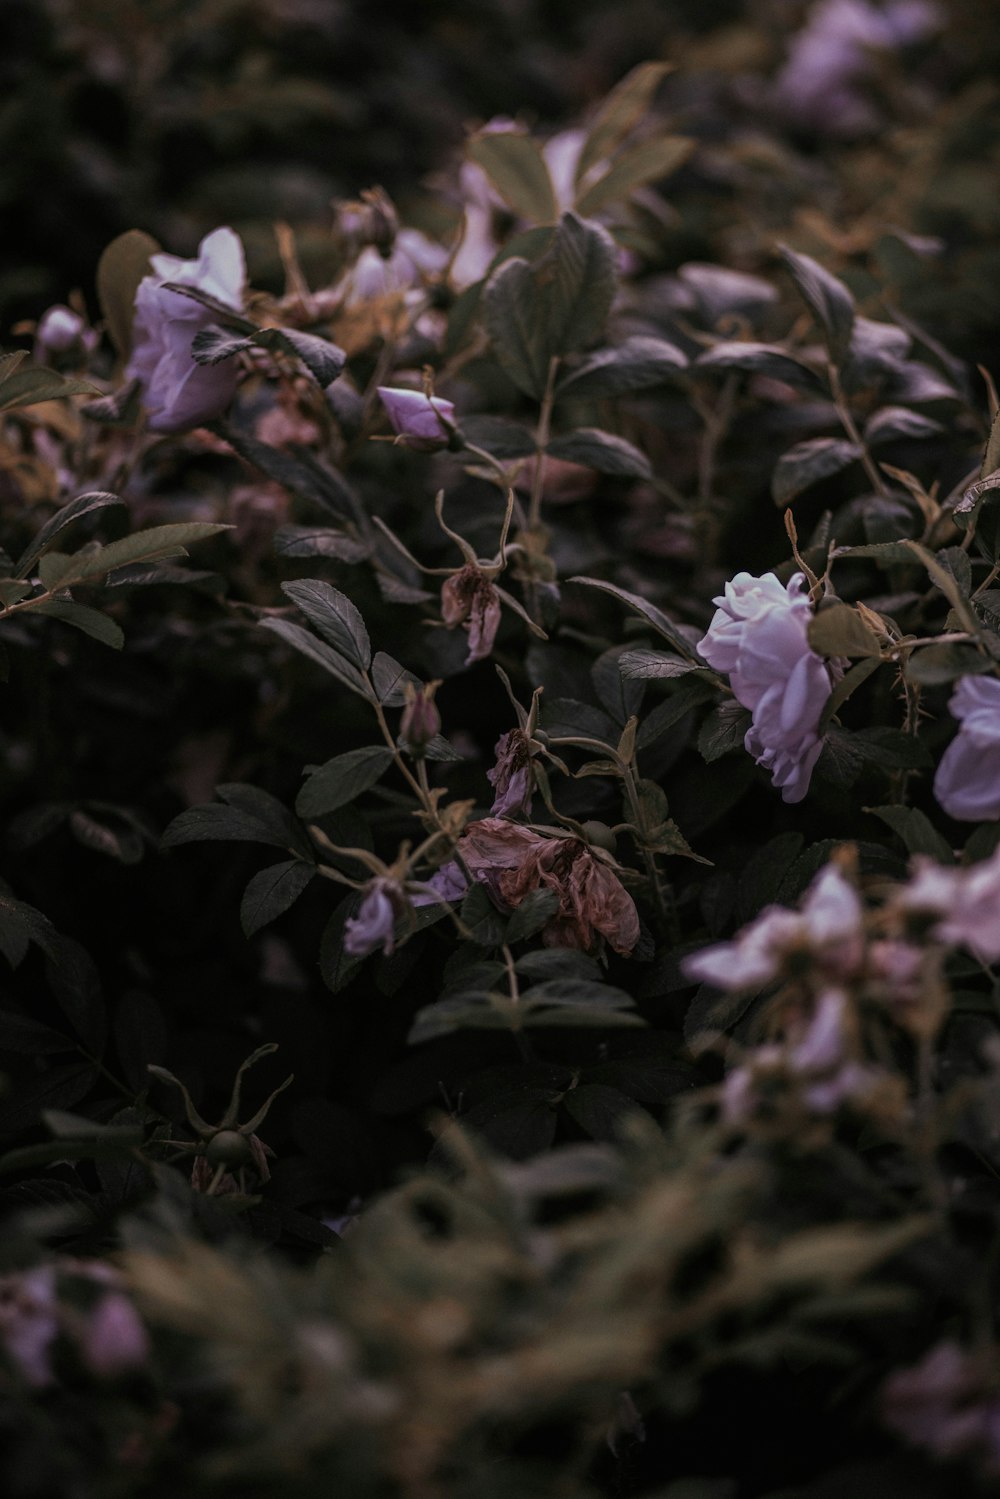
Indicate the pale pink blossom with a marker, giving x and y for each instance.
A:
(177, 391)
(967, 783)
(62, 331)
(758, 636)
(814, 1059)
(826, 933)
(375, 924)
(29, 1322)
(114, 1338)
(948, 1404)
(966, 901)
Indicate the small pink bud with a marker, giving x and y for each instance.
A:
(420, 421)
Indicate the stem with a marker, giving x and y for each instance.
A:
(524, 1046)
(850, 427)
(541, 443)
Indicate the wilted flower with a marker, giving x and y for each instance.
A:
(178, 392)
(758, 635)
(826, 933)
(967, 901)
(512, 861)
(967, 783)
(384, 902)
(511, 777)
(420, 421)
(468, 598)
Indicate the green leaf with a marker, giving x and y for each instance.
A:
(649, 161)
(334, 616)
(342, 780)
(723, 731)
(58, 570)
(917, 832)
(636, 364)
(839, 630)
(690, 694)
(486, 925)
(653, 664)
(827, 298)
(849, 682)
(228, 316)
(650, 613)
(602, 451)
(578, 993)
(991, 453)
(11, 362)
(213, 345)
(390, 680)
(28, 387)
(623, 108)
(90, 621)
(324, 360)
(319, 541)
(318, 651)
(120, 269)
(538, 311)
(122, 408)
(215, 822)
(809, 462)
(759, 359)
(499, 436)
(84, 504)
(896, 423)
(299, 473)
(516, 167)
(933, 665)
(532, 914)
(272, 892)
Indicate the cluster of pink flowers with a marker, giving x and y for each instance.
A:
(110, 1338)
(964, 903)
(758, 637)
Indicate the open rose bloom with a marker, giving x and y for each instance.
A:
(178, 392)
(758, 636)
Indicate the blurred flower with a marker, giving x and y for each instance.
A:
(62, 331)
(511, 777)
(29, 1321)
(826, 933)
(374, 925)
(947, 1403)
(420, 421)
(758, 635)
(468, 598)
(830, 60)
(178, 392)
(814, 1059)
(967, 901)
(114, 1338)
(512, 861)
(967, 783)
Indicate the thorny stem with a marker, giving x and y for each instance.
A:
(850, 427)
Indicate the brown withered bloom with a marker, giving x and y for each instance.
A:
(468, 598)
(512, 861)
(511, 777)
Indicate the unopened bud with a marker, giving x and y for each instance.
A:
(419, 421)
(421, 720)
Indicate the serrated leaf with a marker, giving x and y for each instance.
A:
(759, 359)
(120, 269)
(390, 680)
(228, 316)
(602, 451)
(894, 423)
(499, 435)
(690, 694)
(158, 543)
(839, 630)
(934, 665)
(319, 541)
(10, 362)
(271, 892)
(636, 364)
(122, 408)
(84, 504)
(300, 473)
(336, 618)
(808, 463)
(538, 311)
(827, 298)
(916, 830)
(212, 345)
(653, 664)
(514, 163)
(648, 161)
(578, 993)
(487, 926)
(623, 108)
(90, 621)
(318, 651)
(723, 731)
(216, 822)
(324, 360)
(341, 780)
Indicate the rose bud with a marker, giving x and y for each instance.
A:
(421, 720)
(422, 422)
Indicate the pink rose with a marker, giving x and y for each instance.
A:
(967, 783)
